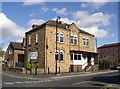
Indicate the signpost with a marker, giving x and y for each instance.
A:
(34, 56)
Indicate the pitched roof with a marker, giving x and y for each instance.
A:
(53, 23)
(110, 45)
(16, 45)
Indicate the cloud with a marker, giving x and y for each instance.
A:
(95, 4)
(44, 9)
(32, 2)
(95, 30)
(99, 33)
(62, 11)
(36, 21)
(65, 20)
(10, 28)
(97, 19)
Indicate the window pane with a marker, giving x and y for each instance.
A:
(84, 41)
(71, 39)
(79, 57)
(61, 39)
(57, 36)
(87, 42)
(61, 56)
(75, 56)
(75, 40)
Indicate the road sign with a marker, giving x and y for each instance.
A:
(33, 55)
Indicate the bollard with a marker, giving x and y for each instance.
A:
(85, 69)
(59, 70)
(48, 70)
(69, 69)
(92, 68)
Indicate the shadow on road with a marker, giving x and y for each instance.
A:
(113, 79)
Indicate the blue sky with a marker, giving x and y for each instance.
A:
(100, 19)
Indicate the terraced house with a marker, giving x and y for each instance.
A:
(75, 47)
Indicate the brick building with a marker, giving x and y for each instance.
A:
(75, 47)
(14, 54)
(110, 50)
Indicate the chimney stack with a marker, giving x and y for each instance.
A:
(34, 26)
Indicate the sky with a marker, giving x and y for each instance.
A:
(98, 18)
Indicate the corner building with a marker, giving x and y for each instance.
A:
(75, 47)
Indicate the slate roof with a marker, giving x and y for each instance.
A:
(110, 45)
(16, 45)
(53, 23)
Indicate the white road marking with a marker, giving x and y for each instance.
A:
(28, 81)
(80, 83)
(9, 83)
(19, 82)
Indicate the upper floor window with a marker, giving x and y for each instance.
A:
(85, 42)
(29, 39)
(60, 37)
(73, 39)
(37, 37)
(10, 51)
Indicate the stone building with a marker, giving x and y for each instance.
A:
(110, 50)
(75, 47)
(15, 54)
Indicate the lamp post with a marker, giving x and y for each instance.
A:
(56, 53)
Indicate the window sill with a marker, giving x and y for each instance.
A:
(60, 42)
(74, 44)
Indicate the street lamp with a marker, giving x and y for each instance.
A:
(56, 53)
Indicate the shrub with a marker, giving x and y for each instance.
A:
(29, 66)
(106, 63)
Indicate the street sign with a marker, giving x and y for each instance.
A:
(33, 55)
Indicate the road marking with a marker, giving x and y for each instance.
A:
(80, 83)
(28, 81)
(9, 83)
(19, 82)
(109, 86)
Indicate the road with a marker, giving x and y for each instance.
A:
(81, 81)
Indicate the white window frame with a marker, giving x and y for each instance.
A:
(61, 35)
(72, 38)
(59, 53)
(86, 41)
(29, 39)
(77, 56)
(75, 38)
(37, 37)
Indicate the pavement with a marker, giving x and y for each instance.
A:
(53, 76)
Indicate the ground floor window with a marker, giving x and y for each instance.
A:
(60, 55)
(76, 56)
